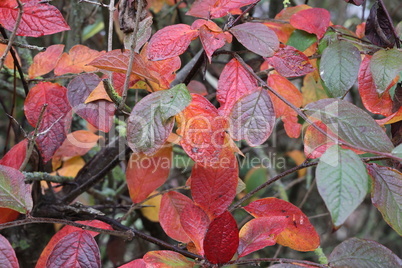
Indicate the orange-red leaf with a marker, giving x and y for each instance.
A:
(145, 174)
(138, 263)
(287, 90)
(374, 102)
(166, 259)
(282, 30)
(312, 20)
(77, 60)
(56, 118)
(212, 40)
(7, 215)
(222, 239)
(212, 9)
(99, 93)
(234, 82)
(15, 157)
(260, 233)
(170, 41)
(172, 205)
(77, 143)
(7, 254)
(288, 12)
(9, 61)
(299, 233)
(45, 62)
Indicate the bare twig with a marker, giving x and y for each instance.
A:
(94, 3)
(110, 30)
(17, 44)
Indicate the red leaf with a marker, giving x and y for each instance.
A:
(257, 37)
(214, 188)
(290, 62)
(234, 82)
(166, 259)
(316, 143)
(197, 87)
(63, 233)
(282, 30)
(145, 174)
(299, 233)
(372, 101)
(77, 143)
(15, 157)
(99, 113)
(172, 205)
(260, 233)
(38, 18)
(212, 41)
(195, 224)
(56, 118)
(313, 20)
(118, 80)
(222, 239)
(138, 263)
(45, 62)
(212, 9)
(170, 41)
(7, 254)
(291, 94)
(7, 215)
(77, 249)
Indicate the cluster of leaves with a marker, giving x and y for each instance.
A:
(301, 42)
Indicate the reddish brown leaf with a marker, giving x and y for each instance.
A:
(212, 41)
(372, 101)
(77, 143)
(299, 233)
(212, 9)
(45, 62)
(222, 239)
(7, 254)
(290, 62)
(313, 20)
(77, 60)
(56, 118)
(38, 18)
(145, 174)
(291, 94)
(100, 113)
(172, 205)
(260, 233)
(170, 41)
(195, 224)
(7, 215)
(77, 249)
(166, 259)
(379, 28)
(15, 157)
(234, 82)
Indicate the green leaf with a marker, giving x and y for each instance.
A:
(151, 122)
(339, 67)
(397, 151)
(385, 66)
(358, 253)
(14, 193)
(387, 194)
(301, 40)
(350, 124)
(342, 182)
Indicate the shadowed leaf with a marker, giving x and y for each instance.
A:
(7, 254)
(378, 27)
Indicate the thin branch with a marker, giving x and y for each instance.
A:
(68, 76)
(43, 176)
(233, 23)
(21, 45)
(110, 30)
(280, 260)
(93, 3)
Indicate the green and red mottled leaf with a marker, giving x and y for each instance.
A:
(252, 118)
(260, 233)
(386, 194)
(290, 62)
(99, 113)
(14, 193)
(222, 239)
(213, 188)
(7, 254)
(312, 20)
(165, 259)
(342, 182)
(172, 205)
(38, 18)
(151, 121)
(356, 253)
(45, 62)
(170, 41)
(379, 28)
(257, 37)
(234, 82)
(385, 65)
(144, 174)
(77, 249)
(56, 118)
(291, 94)
(299, 233)
(138, 263)
(212, 9)
(195, 224)
(16, 155)
(372, 100)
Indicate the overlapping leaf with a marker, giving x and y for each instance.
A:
(312, 20)
(7, 215)
(56, 118)
(45, 62)
(151, 122)
(166, 258)
(8, 61)
(38, 18)
(7, 254)
(138, 263)
(77, 143)
(379, 29)
(15, 157)
(212, 9)
(312, 89)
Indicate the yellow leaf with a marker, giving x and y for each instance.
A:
(152, 212)
(71, 167)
